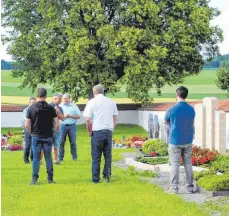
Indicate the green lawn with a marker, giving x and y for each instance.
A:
(200, 86)
(74, 194)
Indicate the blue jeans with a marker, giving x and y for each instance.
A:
(28, 150)
(69, 130)
(101, 142)
(37, 145)
(56, 139)
(175, 152)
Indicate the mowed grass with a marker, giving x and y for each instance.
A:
(200, 86)
(74, 194)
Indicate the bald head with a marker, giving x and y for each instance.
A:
(98, 89)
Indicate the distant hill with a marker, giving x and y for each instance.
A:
(216, 62)
(6, 65)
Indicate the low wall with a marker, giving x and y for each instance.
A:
(11, 116)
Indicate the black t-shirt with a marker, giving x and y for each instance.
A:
(41, 115)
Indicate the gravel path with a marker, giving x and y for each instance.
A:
(164, 182)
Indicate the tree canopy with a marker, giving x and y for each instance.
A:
(143, 44)
(223, 76)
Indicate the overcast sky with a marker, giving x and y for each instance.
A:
(222, 21)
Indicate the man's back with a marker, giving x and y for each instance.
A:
(41, 115)
(181, 120)
(102, 110)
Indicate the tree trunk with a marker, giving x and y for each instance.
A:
(90, 94)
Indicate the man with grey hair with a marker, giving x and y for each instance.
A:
(101, 118)
(68, 126)
(56, 136)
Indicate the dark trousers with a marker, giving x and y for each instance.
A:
(69, 130)
(37, 145)
(28, 149)
(101, 142)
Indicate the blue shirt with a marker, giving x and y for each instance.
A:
(181, 123)
(71, 109)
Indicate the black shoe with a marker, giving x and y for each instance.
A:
(95, 182)
(74, 159)
(26, 162)
(57, 163)
(50, 181)
(107, 178)
(33, 182)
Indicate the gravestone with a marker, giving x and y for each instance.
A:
(150, 126)
(156, 127)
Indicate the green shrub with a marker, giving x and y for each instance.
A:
(221, 164)
(156, 145)
(18, 133)
(153, 161)
(16, 140)
(214, 182)
(198, 175)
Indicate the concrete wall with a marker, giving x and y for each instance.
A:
(14, 119)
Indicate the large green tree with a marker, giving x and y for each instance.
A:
(144, 44)
(223, 76)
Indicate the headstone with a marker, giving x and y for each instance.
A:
(220, 131)
(162, 130)
(150, 125)
(210, 105)
(199, 126)
(156, 127)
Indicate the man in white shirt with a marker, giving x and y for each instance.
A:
(101, 118)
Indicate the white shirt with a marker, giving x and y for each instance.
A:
(101, 110)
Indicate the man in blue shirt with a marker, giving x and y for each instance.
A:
(27, 136)
(180, 118)
(68, 126)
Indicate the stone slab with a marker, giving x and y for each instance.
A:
(158, 167)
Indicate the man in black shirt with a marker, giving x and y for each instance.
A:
(39, 123)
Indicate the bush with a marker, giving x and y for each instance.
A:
(214, 182)
(18, 133)
(153, 161)
(198, 175)
(221, 164)
(202, 156)
(156, 145)
(16, 140)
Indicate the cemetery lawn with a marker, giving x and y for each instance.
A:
(74, 194)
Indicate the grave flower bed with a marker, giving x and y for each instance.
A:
(129, 142)
(201, 156)
(12, 142)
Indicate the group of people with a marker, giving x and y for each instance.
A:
(67, 114)
(47, 126)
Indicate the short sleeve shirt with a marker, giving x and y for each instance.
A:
(181, 123)
(42, 115)
(101, 110)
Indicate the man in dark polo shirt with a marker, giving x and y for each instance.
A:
(39, 123)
